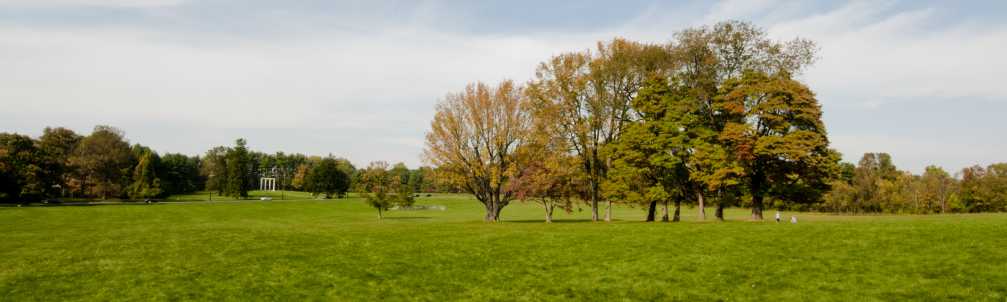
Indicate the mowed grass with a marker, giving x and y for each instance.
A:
(338, 250)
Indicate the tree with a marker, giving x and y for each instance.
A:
(328, 178)
(145, 182)
(104, 161)
(57, 145)
(549, 176)
(776, 133)
(985, 189)
(238, 168)
(404, 191)
(648, 167)
(589, 96)
(938, 188)
(426, 180)
(214, 169)
(180, 174)
(706, 59)
(381, 188)
(300, 177)
(473, 139)
(24, 176)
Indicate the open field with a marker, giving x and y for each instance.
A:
(338, 250)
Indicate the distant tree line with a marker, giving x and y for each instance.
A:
(715, 117)
(875, 185)
(100, 165)
(103, 164)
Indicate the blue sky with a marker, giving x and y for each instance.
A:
(922, 80)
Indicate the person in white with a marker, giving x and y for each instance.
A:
(793, 219)
(777, 216)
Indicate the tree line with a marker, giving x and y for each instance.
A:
(716, 117)
(875, 185)
(103, 164)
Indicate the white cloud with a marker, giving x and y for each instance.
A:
(367, 91)
(383, 82)
(901, 56)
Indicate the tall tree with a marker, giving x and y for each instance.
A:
(180, 174)
(938, 187)
(473, 139)
(57, 145)
(214, 169)
(589, 96)
(24, 176)
(550, 175)
(104, 161)
(776, 133)
(238, 163)
(707, 58)
(648, 168)
(145, 182)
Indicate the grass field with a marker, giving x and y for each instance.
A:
(337, 250)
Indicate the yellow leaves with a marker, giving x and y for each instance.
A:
(476, 133)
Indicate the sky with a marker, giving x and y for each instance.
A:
(921, 80)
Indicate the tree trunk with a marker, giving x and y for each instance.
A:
(492, 211)
(548, 212)
(594, 201)
(678, 210)
(380, 216)
(608, 211)
(651, 210)
(702, 205)
(720, 212)
(757, 207)
(664, 211)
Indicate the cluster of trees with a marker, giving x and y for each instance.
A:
(102, 164)
(875, 185)
(714, 117)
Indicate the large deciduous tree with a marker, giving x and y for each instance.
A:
(328, 178)
(473, 139)
(776, 133)
(647, 167)
(24, 174)
(57, 145)
(588, 95)
(549, 174)
(180, 174)
(104, 161)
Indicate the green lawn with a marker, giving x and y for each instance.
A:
(337, 250)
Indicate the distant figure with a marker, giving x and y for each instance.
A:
(777, 216)
(793, 219)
